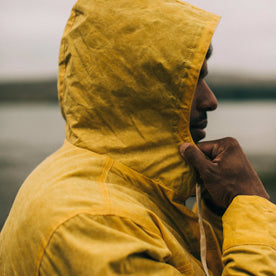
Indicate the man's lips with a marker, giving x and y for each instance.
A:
(199, 124)
(197, 129)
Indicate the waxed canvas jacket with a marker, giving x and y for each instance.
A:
(111, 200)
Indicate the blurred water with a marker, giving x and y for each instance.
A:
(41, 125)
(31, 124)
(252, 123)
(31, 132)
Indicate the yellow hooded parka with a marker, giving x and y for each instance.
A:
(111, 200)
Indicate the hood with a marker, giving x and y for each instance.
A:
(127, 74)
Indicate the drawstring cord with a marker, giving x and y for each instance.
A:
(201, 230)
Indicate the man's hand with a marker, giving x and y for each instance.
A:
(225, 172)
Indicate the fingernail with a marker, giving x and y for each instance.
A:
(183, 147)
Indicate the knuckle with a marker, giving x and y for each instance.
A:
(231, 141)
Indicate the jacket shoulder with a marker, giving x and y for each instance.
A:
(67, 186)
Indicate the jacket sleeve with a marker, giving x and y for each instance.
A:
(249, 237)
(105, 245)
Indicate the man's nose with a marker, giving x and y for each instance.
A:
(207, 101)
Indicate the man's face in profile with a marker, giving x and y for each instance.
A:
(204, 100)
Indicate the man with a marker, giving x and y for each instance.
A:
(111, 200)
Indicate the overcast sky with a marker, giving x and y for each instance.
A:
(30, 33)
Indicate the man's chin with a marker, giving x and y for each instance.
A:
(198, 134)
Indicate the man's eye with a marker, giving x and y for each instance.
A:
(202, 73)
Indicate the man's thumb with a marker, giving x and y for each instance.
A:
(194, 156)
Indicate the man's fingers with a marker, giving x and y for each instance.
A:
(195, 157)
(213, 148)
(208, 148)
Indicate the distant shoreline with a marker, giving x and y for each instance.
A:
(29, 91)
(224, 87)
